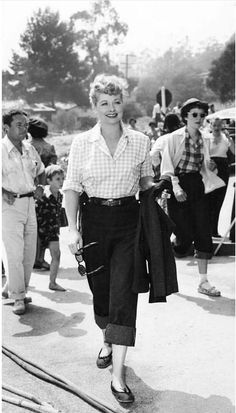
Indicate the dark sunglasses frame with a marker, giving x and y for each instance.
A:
(81, 268)
(195, 115)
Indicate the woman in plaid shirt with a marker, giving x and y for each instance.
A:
(109, 164)
(187, 161)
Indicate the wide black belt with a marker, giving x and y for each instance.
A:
(188, 173)
(29, 194)
(112, 201)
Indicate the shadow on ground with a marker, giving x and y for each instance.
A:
(64, 273)
(214, 305)
(170, 401)
(44, 321)
(69, 296)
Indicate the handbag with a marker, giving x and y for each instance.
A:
(63, 218)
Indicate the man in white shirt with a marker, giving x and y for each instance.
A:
(21, 168)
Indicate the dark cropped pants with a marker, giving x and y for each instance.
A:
(191, 217)
(115, 305)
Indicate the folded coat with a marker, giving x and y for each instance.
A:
(153, 247)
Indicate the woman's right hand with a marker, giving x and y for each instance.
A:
(180, 195)
(75, 241)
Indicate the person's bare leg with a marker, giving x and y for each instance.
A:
(118, 359)
(54, 266)
(42, 255)
(202, 268)
(106, 348)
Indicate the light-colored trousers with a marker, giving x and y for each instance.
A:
(19, 234)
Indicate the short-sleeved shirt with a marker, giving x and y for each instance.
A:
(20, 170)
(92, 168)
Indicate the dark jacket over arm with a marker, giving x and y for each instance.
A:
(153, 246)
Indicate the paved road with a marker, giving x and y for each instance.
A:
(183, 361)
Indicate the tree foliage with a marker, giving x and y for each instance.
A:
(99, 30)
(180, 71)
(59, 59)
(221, 78)
(51, 67)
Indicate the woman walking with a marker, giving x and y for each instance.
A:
(109, 164)
(187, 161)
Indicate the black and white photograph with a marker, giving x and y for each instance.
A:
(118, 206)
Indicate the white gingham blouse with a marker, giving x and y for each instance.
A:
(92, 169)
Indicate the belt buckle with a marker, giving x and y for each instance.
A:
(110, 202)
(17, 195)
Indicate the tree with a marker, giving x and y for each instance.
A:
(7, 93)
(180, 71)
(221, 78)
(50, 68)
(100, 29)
(14, 82)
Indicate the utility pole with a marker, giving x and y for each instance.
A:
(163, 100)
(127, 64)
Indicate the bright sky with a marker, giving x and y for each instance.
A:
(153, 24)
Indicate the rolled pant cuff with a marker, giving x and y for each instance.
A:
(121, 335)
(101, 321)
(202, 255)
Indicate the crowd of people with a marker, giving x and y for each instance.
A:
(115, 174)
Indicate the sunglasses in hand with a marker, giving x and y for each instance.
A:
(81, 268)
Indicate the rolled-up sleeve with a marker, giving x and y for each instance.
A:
(146, 167)
(167, 164)
(73, 179)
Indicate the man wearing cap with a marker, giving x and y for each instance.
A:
(22, 168)
(187, 161)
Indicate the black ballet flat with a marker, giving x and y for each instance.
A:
(125, 396)
(104, 362)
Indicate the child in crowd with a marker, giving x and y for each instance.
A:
(48, 210)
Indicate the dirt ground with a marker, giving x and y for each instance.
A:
(184, 357)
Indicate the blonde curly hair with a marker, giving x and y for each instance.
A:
(108, 84)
